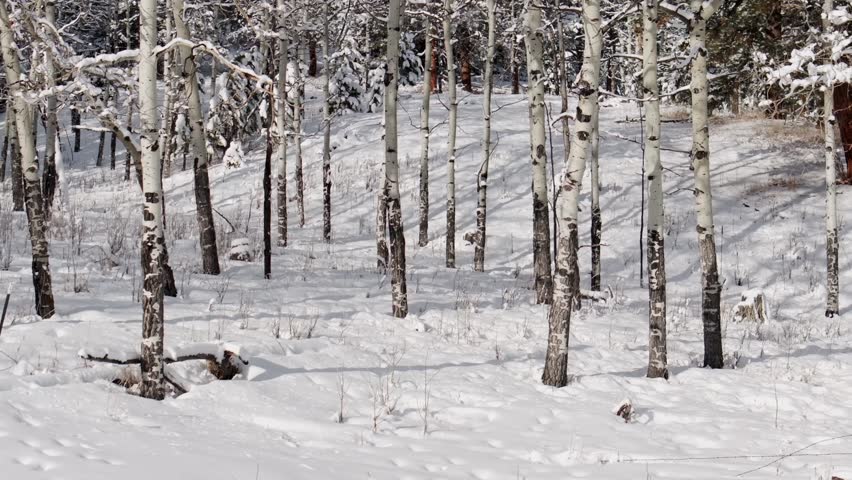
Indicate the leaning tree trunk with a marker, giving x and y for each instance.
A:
(565, 284)
(831, 241)
(52, 127)
(29, 168)
(482, 176)
(326, 136)
(657, 358)
(451, 140)
(153, 239)
(198, 147)
(394, 208)
(711, 289)
(538, 153)
(281, 110)
(424, 137)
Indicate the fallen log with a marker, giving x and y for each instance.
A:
(224, 366)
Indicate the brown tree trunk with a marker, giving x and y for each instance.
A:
(312, 57)
(467, 81)
(843, 114)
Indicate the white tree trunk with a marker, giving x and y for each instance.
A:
(534, 38)
(394, 208)
(657, 357)
(281, 122)
(565, 284)
(169, 87)
(482, 176)
(153, 239)
(711, 288)
(424, 134)
(198, 147)
(20, 111)
(326, 136)
(297, 128)
(451, 140)
(832, 307)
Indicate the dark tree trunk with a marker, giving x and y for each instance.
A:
(17, 173)
(711, 291)
(75, 127)
(99, 161)
(4, 154)
(112, 145)
(267, 195)
(843, 114)
(312, 57)
(466, 78)
(516, 80)
(436, 70)
(596, 249)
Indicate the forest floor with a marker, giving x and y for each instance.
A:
(454, 390)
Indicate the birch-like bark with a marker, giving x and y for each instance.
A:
(297, 130)
(451, 136)
(169, 88)
(15, 157)
(153, 239)
(565, 284)
(424, 136)
(832, 301)
(657, 355)
(326, 136)
(711, 289)
(52, 127)
(283, 62)
(188, 68)
(394, 208)
(482, 176)
(534, 38)
(595, 187)
(28, 162)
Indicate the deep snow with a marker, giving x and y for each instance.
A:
(472, 347)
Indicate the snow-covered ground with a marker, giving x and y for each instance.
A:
(454, 390)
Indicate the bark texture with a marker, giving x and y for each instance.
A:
(832, 247)
(394, 208)
(534, 39)
(326, 135)
(451, 140)
(566, 282)
(153, 239)
(187, 68)
(711, 289)
(657, 352)
(281, 122)
(482, 176)
(424, 135)
(29, 169)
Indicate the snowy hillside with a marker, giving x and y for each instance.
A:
(453, 391)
